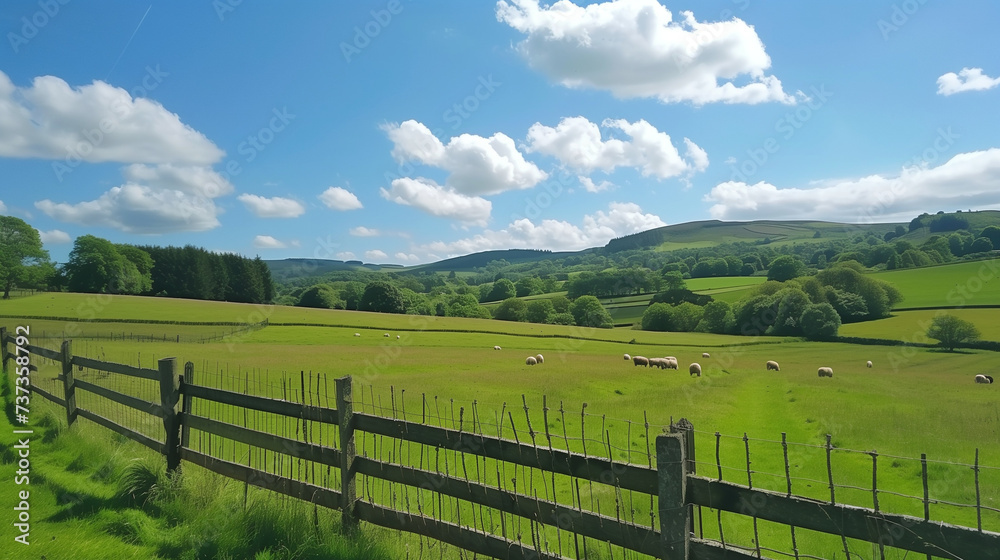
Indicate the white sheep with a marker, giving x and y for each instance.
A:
(357, 334)
(772, 365)
(397, 337)
(705, 355)
(627, 357)
(657, 362)
(671, 362)
(540, 358)
(530, 360)
(695, 369)
(496, 347)
(386, 335)
(869, 364)
(980, 378)
(640, 361)
(825, 372)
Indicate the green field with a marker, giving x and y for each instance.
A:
(911, 326)
(913, 401)
(950, 285)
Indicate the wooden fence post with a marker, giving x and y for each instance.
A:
(187, 379)
(169, 395)
(675, 533)
(345, 417)
(686, 429)
(69, 386)
(3, 347)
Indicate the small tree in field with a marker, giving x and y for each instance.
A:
(950, 331)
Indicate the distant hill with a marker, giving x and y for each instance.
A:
(294, 268)
(476, 260)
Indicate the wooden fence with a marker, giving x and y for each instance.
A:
(675, 492)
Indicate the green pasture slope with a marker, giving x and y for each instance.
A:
(911, 326)
(913, 401)
(948, 285)
(628, 310)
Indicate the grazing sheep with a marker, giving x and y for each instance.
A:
(397, 337)
(627, 357)
(671, 362)
(386, 335)
(869, 364)
(771, 364)
(357, 334)
(496, 348)
(825, 372)
(540, 359)
(980, 378)
(657, 362)
(705, 355)
(640, 361)
(530, 361)
(695, 369)
(989, 378)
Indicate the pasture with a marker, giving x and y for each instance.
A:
(949, 285)
(911, 326)
(913, 401)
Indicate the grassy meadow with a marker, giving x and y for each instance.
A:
(912, 401)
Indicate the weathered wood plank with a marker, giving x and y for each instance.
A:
(264, 404)
(119, 429)
(675, 525)
(287, 486)
(706, 550)
(278, 444)
(627, 477)
(132, 371)
(127, 400)
(43, 352)
(600, 527)
(899, 531)
(462, 537)
(348, 483)
(39, 391)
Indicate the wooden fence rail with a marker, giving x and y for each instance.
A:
(672, 484)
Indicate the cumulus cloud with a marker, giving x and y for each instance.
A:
(3, 207)
(968, 79)
(346, 256)
(376, 254)
(139, 209)
(635, 48)
(194, 180)
(590, 186)
(267, 242)
(54, 237)
(275, 207)
(967, 180)
(621, 218)
(476, 165)
(339, 198)
(94, 123)
(428, 196)
(576, 142)
(407, 257)
(362, 231)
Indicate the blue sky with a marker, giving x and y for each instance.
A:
(405, 132)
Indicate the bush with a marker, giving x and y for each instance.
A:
(820, 320)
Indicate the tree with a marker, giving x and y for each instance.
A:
(673, 280)
(588, 312)
(560, 304)
(511, 309)
(143, 264)
(502, 289)
(95, 265)
(992, 233)
(950, 331)
(539, 311)
(529, 286)
(981, 245)
(785, 268)
(382, 297)
(20, 252)
(717, 317)
(320, 296)
(791, 304)
(658, 317)
(819, 320)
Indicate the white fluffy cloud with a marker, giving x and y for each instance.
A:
(476, 165)
(346, 256)
(339, 198)
(267, 242)
(576, 142)
(968, 79)
(407, 257)
(436, 200)
(193, 180)
(967, 180)
(54, 237)
(275, 207)
(635, 48)
(590, 186)
(3, 207)
(622, 218)
(376, 254)
(94, 123)
(139, 209)
(362, 231)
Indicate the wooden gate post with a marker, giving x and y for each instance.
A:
(345, 421)
(675, 526)
(169, 395)
(69, 386)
